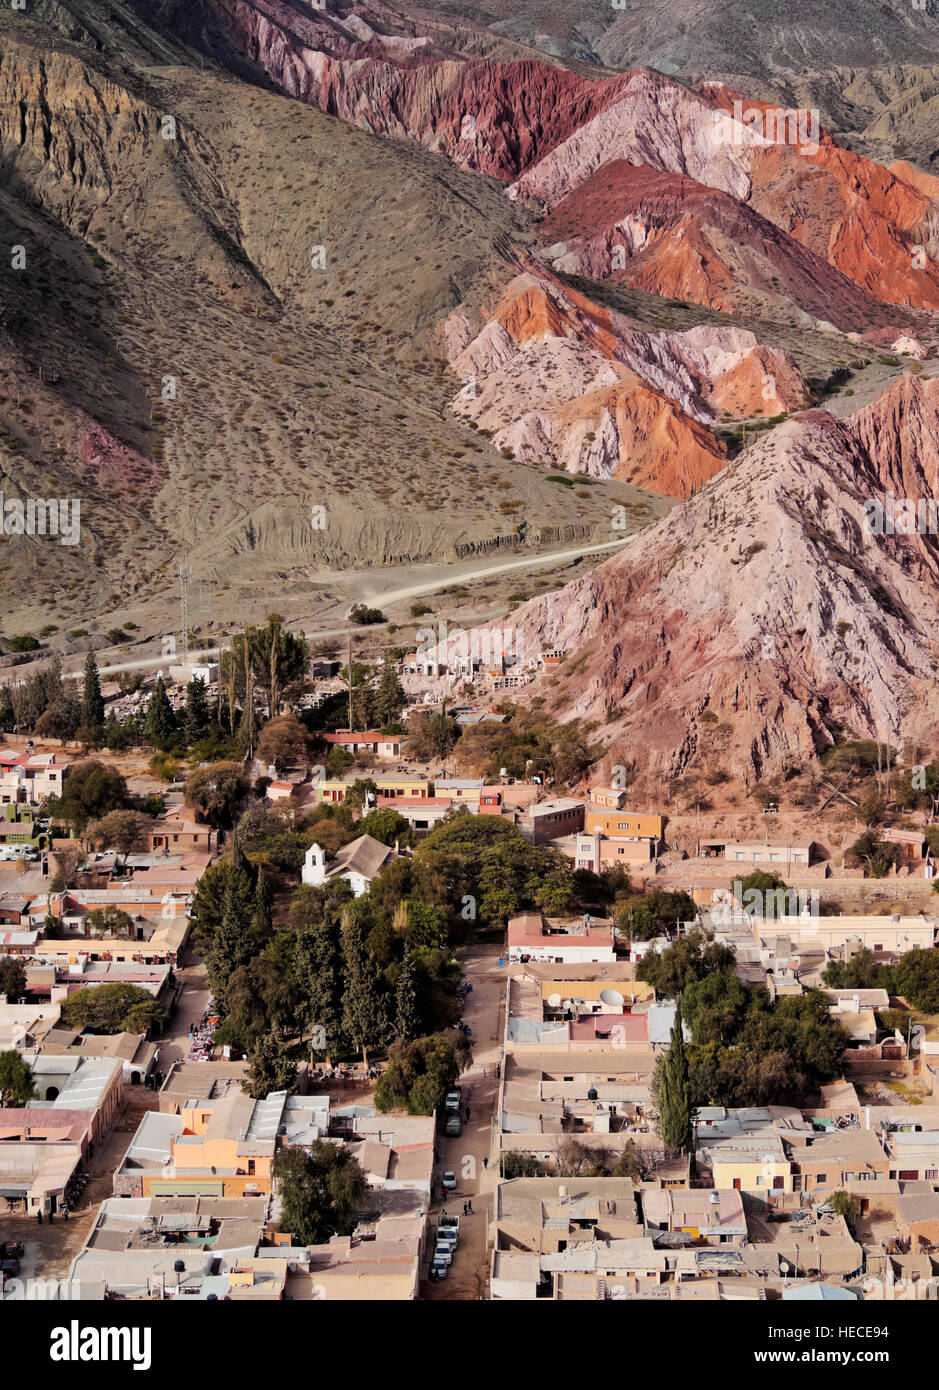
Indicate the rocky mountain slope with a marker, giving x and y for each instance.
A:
(794, 208)
(328, 287)
(205, 327)
(764, 617)
(559, 380)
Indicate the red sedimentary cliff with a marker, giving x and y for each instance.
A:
(671, 236)
(860, 217)
(551, 130)
(562, 381)
(765, 605)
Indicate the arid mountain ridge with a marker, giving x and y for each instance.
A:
(762, 619)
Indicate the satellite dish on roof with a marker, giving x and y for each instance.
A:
(611, 996)
(554, 1000)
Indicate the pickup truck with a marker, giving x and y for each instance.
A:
(448, 1223)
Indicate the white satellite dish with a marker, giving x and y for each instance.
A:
(554, 1000)
(611, 996)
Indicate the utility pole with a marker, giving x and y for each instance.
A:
(249, 698)
(349, 682)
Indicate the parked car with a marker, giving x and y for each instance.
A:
(453, 1099)
(449, 1180)
(439, 1269)
(443, 1254)
(454, 1127)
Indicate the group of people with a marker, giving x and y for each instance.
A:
(200, 1039)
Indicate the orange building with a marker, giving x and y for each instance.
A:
(624, 825)
(218, 1148)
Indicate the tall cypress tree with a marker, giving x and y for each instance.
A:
(231, 944)
(407, 1024)
(270, 1067)
(318, 961)
(389, 699)
(160, 719)
(197, 709)
(262, 923)
(92, 712)
(365, 1018)
(675, 1092)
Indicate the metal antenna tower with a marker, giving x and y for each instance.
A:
(185, 574)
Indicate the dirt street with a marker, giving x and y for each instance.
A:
(469, 1272)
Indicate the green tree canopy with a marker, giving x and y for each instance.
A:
(686, 960)
(421, 1072)
(16, 1080)
(321, 1192)
(90, 790)
(117, 1008)
(385, 824)
(12, 978)
(214, 792)
(270, 1067)
(647, 916)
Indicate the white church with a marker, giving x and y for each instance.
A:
(358, 863)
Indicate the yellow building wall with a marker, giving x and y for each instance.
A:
(618, 824)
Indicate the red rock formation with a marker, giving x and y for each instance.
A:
(552, 130)
(562, 381)
(671, 236)
(766, 601)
